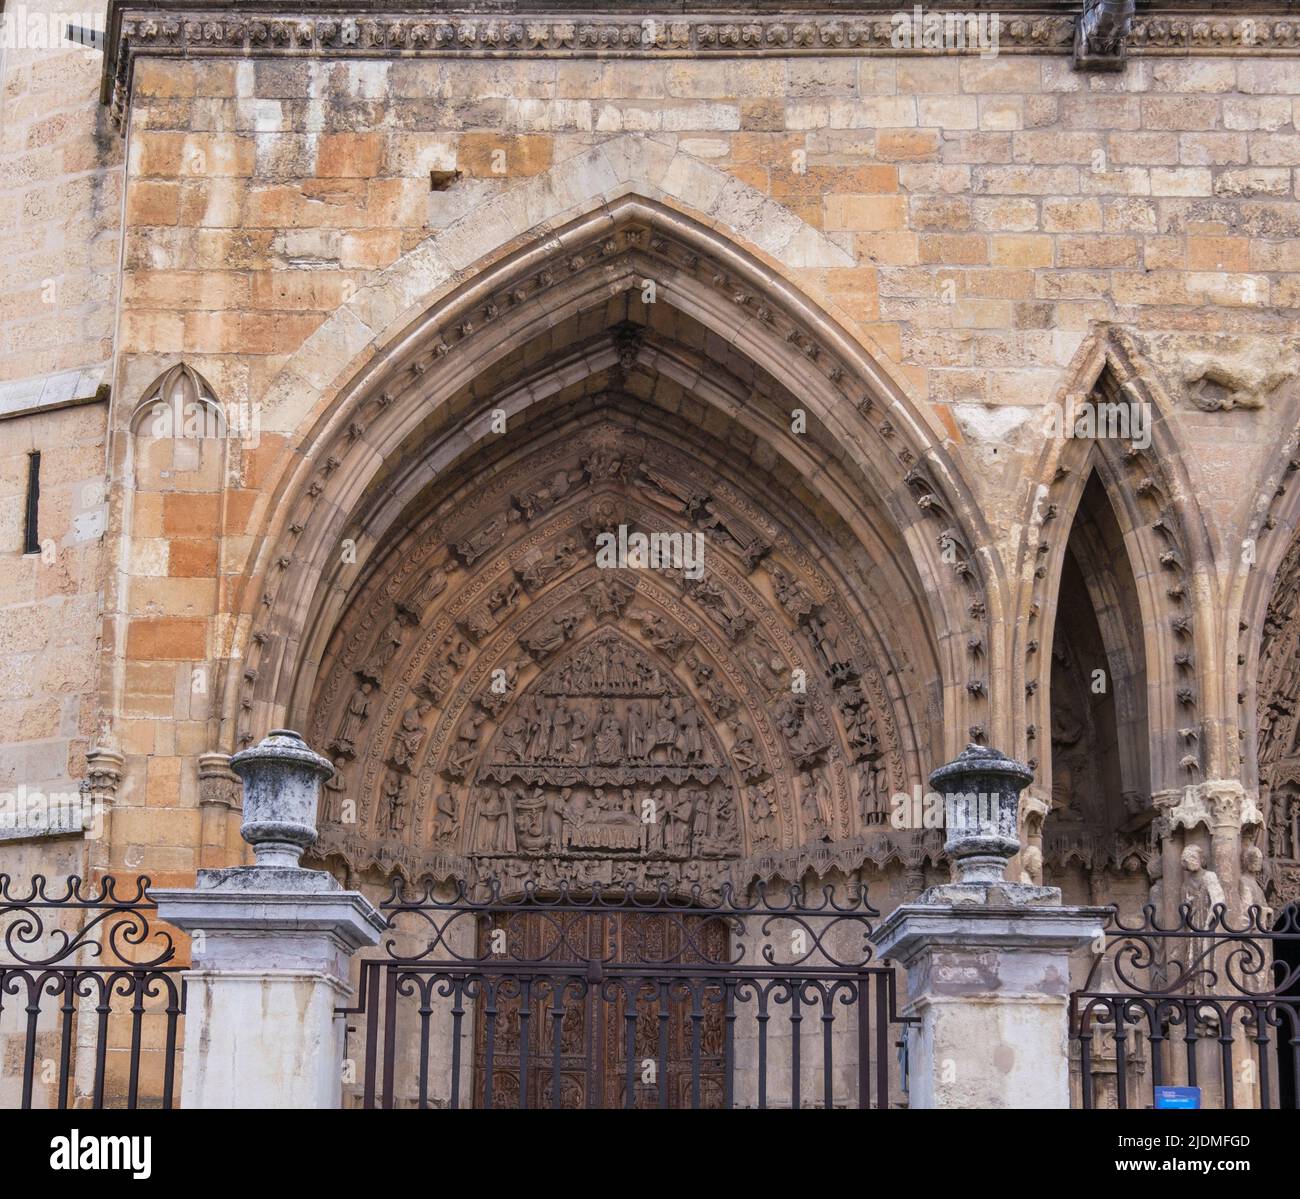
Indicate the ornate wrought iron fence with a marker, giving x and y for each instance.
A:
(608, 998)
(91, 996)
(1205, 1003)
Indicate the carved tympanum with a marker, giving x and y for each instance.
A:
(496, 702)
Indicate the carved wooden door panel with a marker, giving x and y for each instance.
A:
(586, 1010)
(693, 1007)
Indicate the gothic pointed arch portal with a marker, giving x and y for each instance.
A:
(498, 700)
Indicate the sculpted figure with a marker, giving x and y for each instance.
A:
(815, 797)
(793, 594)
(743, 753)
(462, 753)
(762, 811)
(665, 722)
(578, 737)
(551, 635)
(395, 795)
(1156, 892)
(682, 819)
(561, 719)
(1201, 888)
(538, 499)
(660, 633)
(1202, 893)
(873, 784)
(1252, 890)
(609, 736)
(390, 641)
(406, 745)
(541, 740)
(538, 570)
(472, 548)
(435, 583)
(514, 736)
(445, 816)
(555, 809)
(690, 743)
(495, 820)
(357, 714)
(1279, 827)
(334, 792)
(436, 679)
(638, 733)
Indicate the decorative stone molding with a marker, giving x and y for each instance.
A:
(218, 785)
(1230, 805)
(104, 769)
(171, 29)
(1216, 803)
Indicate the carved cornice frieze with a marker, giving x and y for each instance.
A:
(192, 30)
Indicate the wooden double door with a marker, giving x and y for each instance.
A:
(608, 990)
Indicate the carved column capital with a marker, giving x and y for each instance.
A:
(219, 786)
(1188, 810)
(104, 770)
(1230, 805)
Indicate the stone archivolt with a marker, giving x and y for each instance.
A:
(717, 286)
(496, 703)
(1278, 731)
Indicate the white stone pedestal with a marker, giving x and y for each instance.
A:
(988, 974)
(271, 950)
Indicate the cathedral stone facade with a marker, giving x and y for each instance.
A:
(336, 344)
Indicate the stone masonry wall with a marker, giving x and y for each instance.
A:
(996, 212)
(60, 199)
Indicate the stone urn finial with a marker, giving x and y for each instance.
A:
(282, 778)
(981, 789)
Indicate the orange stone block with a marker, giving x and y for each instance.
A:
(192, 559)
(189, 515)
(167, 639)
(494, 156)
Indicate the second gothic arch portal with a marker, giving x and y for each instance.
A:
(499, 703)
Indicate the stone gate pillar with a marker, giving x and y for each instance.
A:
(271, 946)
(987, 960)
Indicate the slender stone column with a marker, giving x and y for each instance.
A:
(271, 946)
(987, 960)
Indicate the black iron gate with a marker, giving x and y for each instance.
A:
(1205, 1002)
(91, 996)
(610, 998)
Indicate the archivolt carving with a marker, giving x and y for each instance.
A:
(866, 435)
(497, 703)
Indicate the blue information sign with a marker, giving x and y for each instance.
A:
(1178, 1097)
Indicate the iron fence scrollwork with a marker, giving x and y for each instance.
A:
(615, 998)
(1205, 1001)
(91, 995)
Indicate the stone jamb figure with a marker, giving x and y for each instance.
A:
(1202, 901)
(1252, 889)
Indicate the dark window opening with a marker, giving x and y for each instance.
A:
(31, 533)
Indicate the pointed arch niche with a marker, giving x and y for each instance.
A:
(436, 562)
(1115, 554)
(1098, 728)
